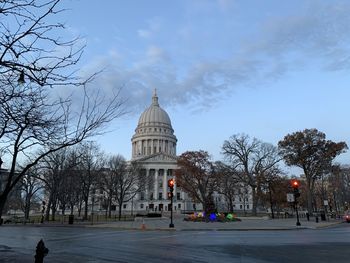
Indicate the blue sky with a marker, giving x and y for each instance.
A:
(221, 67)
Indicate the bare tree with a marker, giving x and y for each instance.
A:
(53, 168)
(252, 158)
(228, 183)
(126, 180)
(35, 61)
(90, 165)
(30, 185)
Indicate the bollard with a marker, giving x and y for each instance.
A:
(41, 252)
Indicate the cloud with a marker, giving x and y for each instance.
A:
(318, 35)
(153, 26)
(144, 33)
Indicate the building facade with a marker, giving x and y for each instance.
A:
(154, 149)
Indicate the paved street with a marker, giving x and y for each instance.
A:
(100, 244)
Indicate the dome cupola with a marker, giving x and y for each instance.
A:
(154, 133)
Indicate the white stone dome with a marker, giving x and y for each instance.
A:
(154, 115)
(154, 133)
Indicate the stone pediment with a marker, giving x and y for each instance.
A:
(158, 157)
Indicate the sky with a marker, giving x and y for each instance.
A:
(220, 67)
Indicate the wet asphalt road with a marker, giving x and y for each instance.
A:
(78, 244)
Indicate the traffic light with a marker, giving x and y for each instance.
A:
(171, 184)
(295, 184)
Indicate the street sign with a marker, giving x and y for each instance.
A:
(290, 198)
(325, 202)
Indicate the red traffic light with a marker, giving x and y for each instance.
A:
(295, 184)
(171, 183)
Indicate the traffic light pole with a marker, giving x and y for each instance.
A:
(295, 185)
(171, 184)
(171, 212)
(296, 210)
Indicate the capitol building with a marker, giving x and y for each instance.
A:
(154, 150)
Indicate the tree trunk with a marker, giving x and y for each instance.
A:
(109, 208)
(120, 211)
(27, 207)
(63, 209)
(309, 196)
(231, 205)
(271, 203)
(79, 208)
(3, 198)
(255, 201)
(48, 207)
(53, 211)
(86, 200)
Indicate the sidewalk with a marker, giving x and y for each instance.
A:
(247, 223)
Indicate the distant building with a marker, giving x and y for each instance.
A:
(154, 149)
(13, 202)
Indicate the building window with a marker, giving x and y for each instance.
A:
(142, 197)
(141, 206)
(124, 206)
(240, 206)
(178, 196)
(160, 196)
(179, 206)
(247, 206)
(151, 196)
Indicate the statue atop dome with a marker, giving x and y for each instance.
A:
(155, 98)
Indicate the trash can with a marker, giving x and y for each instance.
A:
(70, 219)
(323, 216)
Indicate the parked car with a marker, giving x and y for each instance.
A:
(347, 217)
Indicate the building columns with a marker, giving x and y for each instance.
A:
(146, 186)
(165, 184)
(155, 184)
(175, 186)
